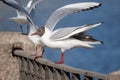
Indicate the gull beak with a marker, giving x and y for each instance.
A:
(36, 33)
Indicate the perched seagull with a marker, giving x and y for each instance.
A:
(33, 28)
(54, 18)
(36, 39)
(70, 37)
(21, 18)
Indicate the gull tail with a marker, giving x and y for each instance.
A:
(81, 35)
(84, 28)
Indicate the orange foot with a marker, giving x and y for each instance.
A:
(61, 60)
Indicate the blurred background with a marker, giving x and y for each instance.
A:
(103, 58)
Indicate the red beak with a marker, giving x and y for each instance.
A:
(34, 34)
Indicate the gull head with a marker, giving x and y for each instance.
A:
(39, 32)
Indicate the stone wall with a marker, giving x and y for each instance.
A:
(114, 75)
(9, 67)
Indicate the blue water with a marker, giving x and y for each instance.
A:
(103, 58)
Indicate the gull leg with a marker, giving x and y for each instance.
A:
(61, 59)
(21, 29)
(42, 53)
(27, 28)
(36, 54)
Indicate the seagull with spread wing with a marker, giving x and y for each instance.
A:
(70, 37)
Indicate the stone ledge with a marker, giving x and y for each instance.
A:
(9, 67)
(114, 75)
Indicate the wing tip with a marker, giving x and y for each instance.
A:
(99, 23)
(101, 42)
(96, 5)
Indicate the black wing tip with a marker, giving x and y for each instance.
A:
(90, 8)
(98, 23)
(100, 4)
(102, 22)
(3, 1)
(29, 21)
(101, 42)
(96, 6)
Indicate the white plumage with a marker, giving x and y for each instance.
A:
(64, 38)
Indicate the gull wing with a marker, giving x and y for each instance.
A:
(14, 4)
(31, 4)
(69, 9)
(65, 33)
(62, 32)
(18, 12)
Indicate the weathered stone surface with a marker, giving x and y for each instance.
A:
(114, 75)
(9, 67)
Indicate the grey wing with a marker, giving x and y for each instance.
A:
(18, 12)
(31, 7)
(32, 13)
(32, 4)
(14, 4)
(62, 32)
(68, 9)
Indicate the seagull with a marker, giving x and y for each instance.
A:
(33, 28)
(21, 18)
(70, 37)
(36, 39)
(56, 15)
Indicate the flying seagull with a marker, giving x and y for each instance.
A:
(70, 37)
(21, 18)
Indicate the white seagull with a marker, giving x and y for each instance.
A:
(70, 37)
(36, 39)
(56, 16)
(21, 18)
